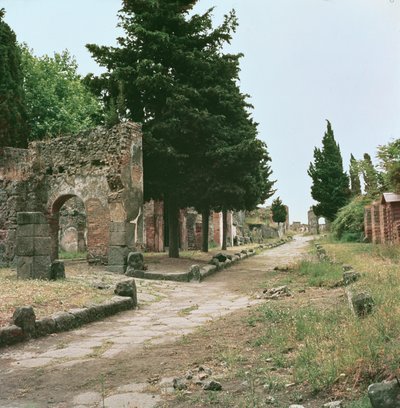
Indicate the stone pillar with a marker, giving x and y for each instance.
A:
(217, 223)
(33, 247)
(313, 225)
(383, 223)
(154, 226)
(183, 233)
(230, 233)
(368, 223)
(118, 250)
(376, 229)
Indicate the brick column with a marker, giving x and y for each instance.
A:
(368, 223)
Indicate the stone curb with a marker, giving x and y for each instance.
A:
(208, 270)
(64, 321)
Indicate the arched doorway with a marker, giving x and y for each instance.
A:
(68, 226)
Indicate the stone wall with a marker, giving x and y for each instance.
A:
(103, 168)
(154, 222)
(313, 225)
(382, 220)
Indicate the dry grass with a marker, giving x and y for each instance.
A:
(48, 297)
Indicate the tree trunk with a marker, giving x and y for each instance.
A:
(224, 228)
(205, 219)
(173, 226)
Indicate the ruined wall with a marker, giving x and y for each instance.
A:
(313, 225)
(154, 226)
(375, 224)
(368, 223)
(103, 168)
(14, 197)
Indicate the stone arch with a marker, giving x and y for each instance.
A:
(54, 221)
(98, 226)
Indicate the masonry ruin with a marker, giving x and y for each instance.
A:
(382, 220)
(190, 228)
(102, 169)
(313, 222)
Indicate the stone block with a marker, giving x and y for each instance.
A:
(31, 218)
(42, 246)
(194, 273)
(41, 230)
(116, 269)
(11, 335)
(350, 277)
(127, 288)
(130, 234)
(136, 260)
(24, 246)
(221, 257)
(117, 255)
(24, 267)
(26, 230)
(362, 303)
(385, 394)
(41, 268)
(45, 326)
(57, 270)
(25, 318)
(82, 316)
(117, 238)
(118, 227)
(64, 321)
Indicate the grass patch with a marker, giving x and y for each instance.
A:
(72, 255)
(46, 297)
(320, 273)
(325, 346)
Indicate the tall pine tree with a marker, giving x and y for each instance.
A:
(371, 176)
(165, 71)
(330, 184)
(13, 119)
(354, 171)
(230, 166)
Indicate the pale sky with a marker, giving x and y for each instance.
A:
(305, 61)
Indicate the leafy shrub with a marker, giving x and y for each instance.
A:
(349, 223)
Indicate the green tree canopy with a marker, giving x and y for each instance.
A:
(13, 118)
(330, 184)
(57, 100)
(372, 183)
(354, 171)
(389, 162)
(168, 72)
(279, 212)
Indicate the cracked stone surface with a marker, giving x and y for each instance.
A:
(176, 309)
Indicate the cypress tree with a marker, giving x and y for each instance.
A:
(354, 171)
(13, 118)
(370, 175)
(330, 184)
(278, 210)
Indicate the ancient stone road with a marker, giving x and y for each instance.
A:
(167, 311)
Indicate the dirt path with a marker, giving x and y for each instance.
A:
(111, 362)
